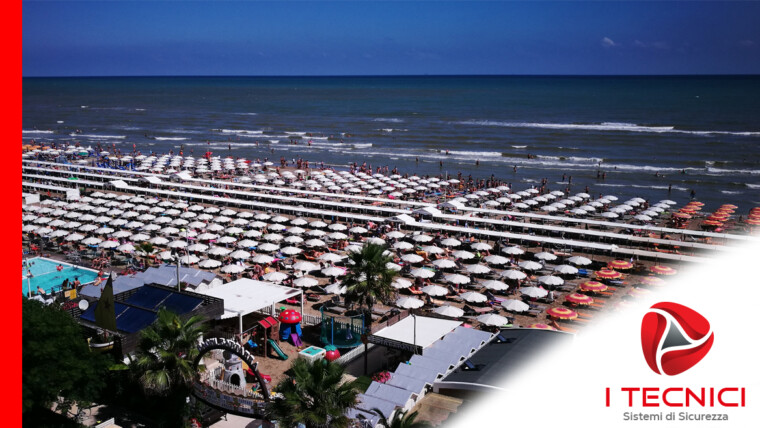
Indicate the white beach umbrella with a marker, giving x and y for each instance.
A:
(432, 249)
(473, 297)
(412, 258)
(305, 266)
(197, 247)
(108, 244)
(513, 274)
(481, 246)
(449, 311)
(477, 269)
(268, 247)
(409, 303)
(126, 248)
(74, 237)
(493, 320)
(579, 261)
(545, 256)
(336, 288)
(534, 292)
(331, 257)
(226, 240)
(210, 264)
(189, 259)
(551, 280)
(422, 238)
(456, 278)
(402, 245)
(314, 243)
(464, 255)
(275, 276)
(513, 305)
(240, 254)
(451, 242)
(422, 273)
(233, 269)
(262, 259)
(496, 260)
(435, 290)
(566, 270)
(444, 263)
(333, 271)
(494, 285)
(305, 282)
(514, 250)
(400, 283)
(530, 265)
(177, 244)
(219, 251)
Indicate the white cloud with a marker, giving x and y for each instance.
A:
(608, 43)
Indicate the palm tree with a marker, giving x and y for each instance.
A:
(166, 352)
(400, 419)
(314, 395)
(368, 279)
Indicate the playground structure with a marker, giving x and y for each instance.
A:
(290, 327)
(231, 381)
(342, 331)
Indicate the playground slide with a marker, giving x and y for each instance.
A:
(277, 349)
(296, 340)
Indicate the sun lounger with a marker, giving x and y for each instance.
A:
(562, 328)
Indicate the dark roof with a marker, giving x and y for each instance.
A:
(162, 275)
(494, 361)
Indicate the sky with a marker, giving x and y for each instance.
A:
(138, 38)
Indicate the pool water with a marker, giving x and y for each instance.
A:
(45, 275)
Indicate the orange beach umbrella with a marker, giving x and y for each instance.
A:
(541, 326)
(620, 265)
(653, 280)
(608, 274)
(562, 313)
(593, 286)
(663, 270)
(638, 292)
(579, 299)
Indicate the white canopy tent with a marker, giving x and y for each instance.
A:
(244, 296)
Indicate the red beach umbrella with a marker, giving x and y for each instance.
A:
(620, 265)
(681, 215)
(753, 221)
(541, 326)
(562, 313)
(593, 286)
(730, 206)
(663, 270)
(608, 274)
(289, 316)
(653, 280)
(579, 299)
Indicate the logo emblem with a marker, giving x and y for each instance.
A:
(674, 338)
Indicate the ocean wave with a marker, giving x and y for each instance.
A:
(722, 171)
(361, 145)
(241, 131)
(470, 154)
(731, 192)
(387, 119)
(35, 131)
(604, 126)
(181, 131)
(519, 147)
(752, 186)
(295, 133)
(73, 134)
(640, 186)
(248, 114)
(571, 159)
(389, 130)
(171, 138)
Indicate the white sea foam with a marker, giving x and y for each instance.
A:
(604, 126)
(639, 186)
(721, 171)
(97, 136)
(519, 147)
(58, 121)
(241, 131)
(295, 133)
(361, 145)
(171, 138)
(35, 131)
(274, 141)
(572, 159)
(387, 119)
(752, 186)
(731, 192)
(181, 131)
(470, 154)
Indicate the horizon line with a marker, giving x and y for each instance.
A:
(385, 75)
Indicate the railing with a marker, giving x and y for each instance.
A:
(306, 319)
(350, 355)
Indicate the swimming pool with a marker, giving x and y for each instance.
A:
(46, 275)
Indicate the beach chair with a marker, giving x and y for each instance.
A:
(562, 328)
